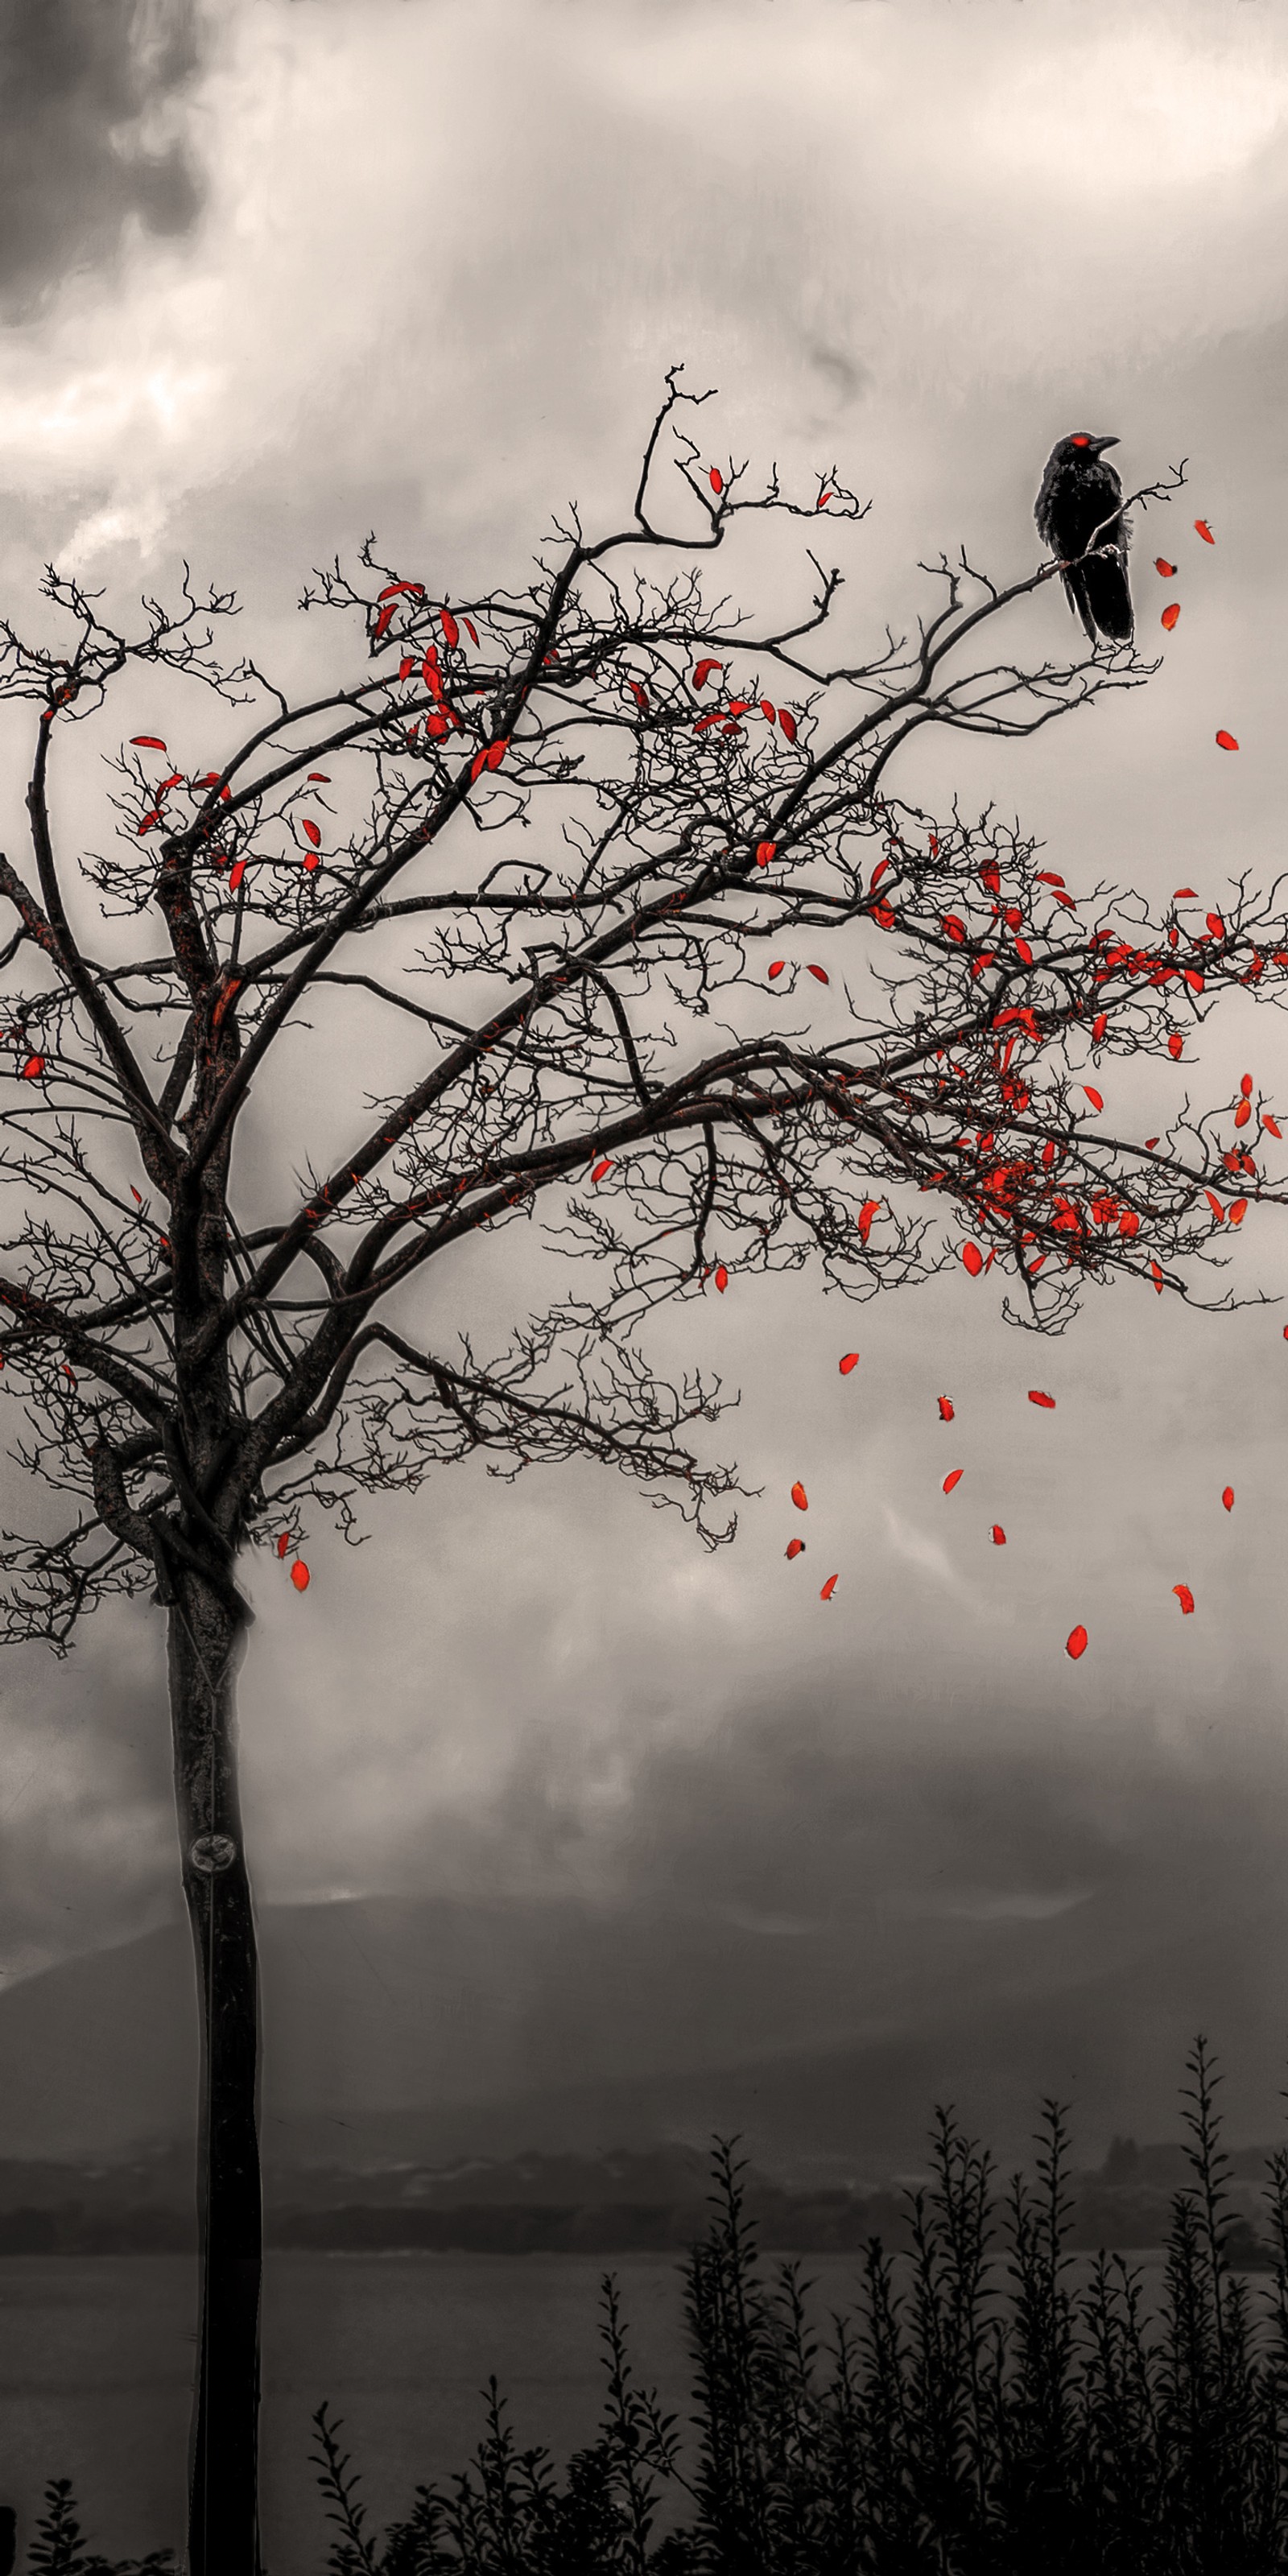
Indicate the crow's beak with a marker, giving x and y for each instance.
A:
(1100, 444)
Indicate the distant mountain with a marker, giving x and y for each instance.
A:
(429, 2032)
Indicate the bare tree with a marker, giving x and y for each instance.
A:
(569, 836)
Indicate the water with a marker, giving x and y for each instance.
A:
(96, 2361)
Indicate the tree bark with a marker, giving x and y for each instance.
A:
(204, 1641)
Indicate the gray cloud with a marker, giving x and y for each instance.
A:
(86, 96)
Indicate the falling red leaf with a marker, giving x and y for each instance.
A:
(722, 1277)
(973, 1258)
(311, 831)
(716, 481)
(1226, 741)
(283, 1542)
(765, 851)
(776, 969)
(1099, 1026)
(300, 1575)
(1037, 1397)
(1170, 615)
(32, 1069)
(788, 722)
(1228, 1498)
(1204, 531)
(1175, 1044)
(998, 1534)
(1185, 894)
(704, 671)
(1075, 1643)
(819, 973)
(850, 1361)
(451, 631)
(800, 1497)
(955, 1479)
(235, 875)
(321, 776)
(828, 1588)
(1161, 565)
(794, 1547)
(1184, 1596)
(1093, 1096)
(601, 1169)
(147, 741)
(946, 1413)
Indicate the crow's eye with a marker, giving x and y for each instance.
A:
(1080, 441)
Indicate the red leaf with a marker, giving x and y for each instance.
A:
(383, 623)
(283, 1542)
(800, 1497)
(716, 481)
(1037, 1397)
(1099, 1026)
(175, 779)
(869, 1209)
(973, 1258)
(828, 1588)
(149, 820)
(722, 1277)
(1270, 1125)
(1228, 1498)
(955, 1479)
(1175, 1043)
(471, 630)
(1205, 532)
(1093, 1096)
(1161, 565)
(600, 1169)
(32, 1069)
(1024, 952)
(451, 631)
(822, 501)
(953, 928)
(769, 711)
(1215, 924)
(1185, 894)
(393, 588)
(819, 973)
(1214, 1203)
(776, 969)
(788, 722)
(235, 874)
(311, 831)
(850, 1361)
(999, 1535)
(1184, 1596)
(478, 765)
(300, 1575)
(1243, 1113)
(1238, 1212)
(1245, 1085)
(406, 666)
(497, 752)
(1226, 742)
(705, 669)
(321, 777)
(765, 851)
(1170, 615)
(309, 860)
(946, 1408)
(794, 1547)
(640, 696)
(147, 741)
(1075, 1643)
(1157, 1277)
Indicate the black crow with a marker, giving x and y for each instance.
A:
(1080, 506)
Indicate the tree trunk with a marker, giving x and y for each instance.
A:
(223, 2527)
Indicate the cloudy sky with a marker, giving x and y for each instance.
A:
(275, 272)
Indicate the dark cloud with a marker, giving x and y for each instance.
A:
(87, 91)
